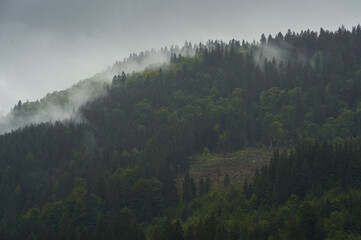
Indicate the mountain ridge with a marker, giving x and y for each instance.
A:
(113, 174)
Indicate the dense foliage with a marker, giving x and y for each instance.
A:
(312, 192)
(112, 176)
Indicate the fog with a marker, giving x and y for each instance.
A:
(65, 104)
(281, 52)
(48, 46)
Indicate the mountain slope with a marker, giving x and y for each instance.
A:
(74, 179)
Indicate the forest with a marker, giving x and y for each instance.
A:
(113, 173)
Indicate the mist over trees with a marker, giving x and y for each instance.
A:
(64, 105)
(112, 174)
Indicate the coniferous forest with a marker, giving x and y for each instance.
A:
(123, 170)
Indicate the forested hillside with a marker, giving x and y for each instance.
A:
(111, 174)
(65, 104)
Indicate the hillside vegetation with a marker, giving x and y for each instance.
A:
(171, 152)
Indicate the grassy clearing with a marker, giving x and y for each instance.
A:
(238, 165)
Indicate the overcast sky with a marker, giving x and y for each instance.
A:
(48, 45)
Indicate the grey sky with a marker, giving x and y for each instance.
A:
(48, 45)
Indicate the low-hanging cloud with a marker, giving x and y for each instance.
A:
(281, 51)
(65, 105)
(48, 45)
(57, 106)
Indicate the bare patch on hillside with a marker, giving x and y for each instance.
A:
(238, 165)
